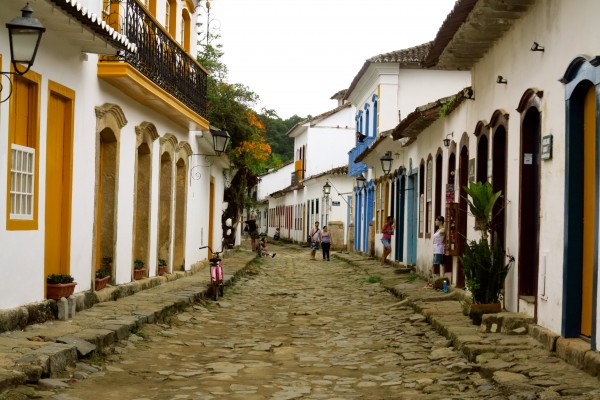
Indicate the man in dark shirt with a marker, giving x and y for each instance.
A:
(252, 229)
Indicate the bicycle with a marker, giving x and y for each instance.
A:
(216, 273)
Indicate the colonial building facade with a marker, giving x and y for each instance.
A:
(101, 164)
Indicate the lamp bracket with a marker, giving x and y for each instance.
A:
(10, 86)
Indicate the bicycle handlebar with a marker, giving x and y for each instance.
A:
(209, 249)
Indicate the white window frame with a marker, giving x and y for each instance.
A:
(22, 182)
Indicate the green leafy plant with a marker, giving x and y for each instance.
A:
(162, 262)
(485, 263)
(373, 279)
(138, 264)
(102, 273)
(59, 278)
(411, 277)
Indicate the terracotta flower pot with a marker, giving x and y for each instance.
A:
(477, 310)
(139, 273)
(56, 291)
(101, 282)
(161, 270)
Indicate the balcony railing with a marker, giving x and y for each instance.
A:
(297, 177)
(158, 56)
(357, 168)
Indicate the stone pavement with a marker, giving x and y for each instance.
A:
(512, 351)
(499, 348)
(47, 349)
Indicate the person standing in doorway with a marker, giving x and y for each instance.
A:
(439, 245)
(325, 243)
(253, 230)
(315, 240)
(386, 239)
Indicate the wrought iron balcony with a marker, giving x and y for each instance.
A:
(158, 57)
(357, 168)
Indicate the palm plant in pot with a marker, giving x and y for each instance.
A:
(485, 263)
(59, 286)
(138, 269)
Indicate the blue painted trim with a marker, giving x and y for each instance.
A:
(375, 108)
(579, 71)
(374, 98)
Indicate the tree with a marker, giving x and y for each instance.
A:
(230, 106)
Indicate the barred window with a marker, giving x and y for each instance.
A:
(21, 182)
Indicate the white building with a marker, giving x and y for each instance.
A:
(388, 87)
(321, 144)
(110, 128)
(529, 126)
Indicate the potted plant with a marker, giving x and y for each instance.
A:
(162, 266)
(138, 269)
(59, 286)
(485, 263)
(103, 274)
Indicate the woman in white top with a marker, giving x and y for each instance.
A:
(439, 243)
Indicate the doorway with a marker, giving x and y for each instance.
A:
(529, 209)
(59, 159)
(463, 180)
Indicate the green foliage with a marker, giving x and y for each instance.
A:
(162, 262)
(482, 200)
(411, 277)
(485, 266)
(59, 278)
(373, 279)
(485, 262)
(446, 106)
(138, 264)
(102, 273)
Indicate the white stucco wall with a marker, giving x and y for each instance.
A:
(62, 62)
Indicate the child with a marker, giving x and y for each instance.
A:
(262, 248)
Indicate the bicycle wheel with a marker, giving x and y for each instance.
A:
(221, 289)
(215, 289)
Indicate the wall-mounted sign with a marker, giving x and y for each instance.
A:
(547, 147)
(335, 203)
(527, 158)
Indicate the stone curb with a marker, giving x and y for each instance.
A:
(49, 348)
(498, 334)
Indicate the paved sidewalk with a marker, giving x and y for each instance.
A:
(48, 349)
(518, 355)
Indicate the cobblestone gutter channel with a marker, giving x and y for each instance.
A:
(508, 348)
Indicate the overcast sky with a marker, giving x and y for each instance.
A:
(296, 54)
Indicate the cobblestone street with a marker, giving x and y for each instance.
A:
(292, 329)
(297, 329)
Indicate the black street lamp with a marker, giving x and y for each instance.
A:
(24, 35)
(360, 181)
(327, 189)
(386, 162)
(220, 140)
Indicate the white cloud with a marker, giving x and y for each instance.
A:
(295, 54)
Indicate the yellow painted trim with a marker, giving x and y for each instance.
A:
(23, 225)
(67, 168)
(114, 70)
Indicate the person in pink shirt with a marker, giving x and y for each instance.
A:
(386, 239)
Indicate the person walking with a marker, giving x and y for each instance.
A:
(253, 230)
(315, 240)
(386, 239)
(439, 245)
(325, 242)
